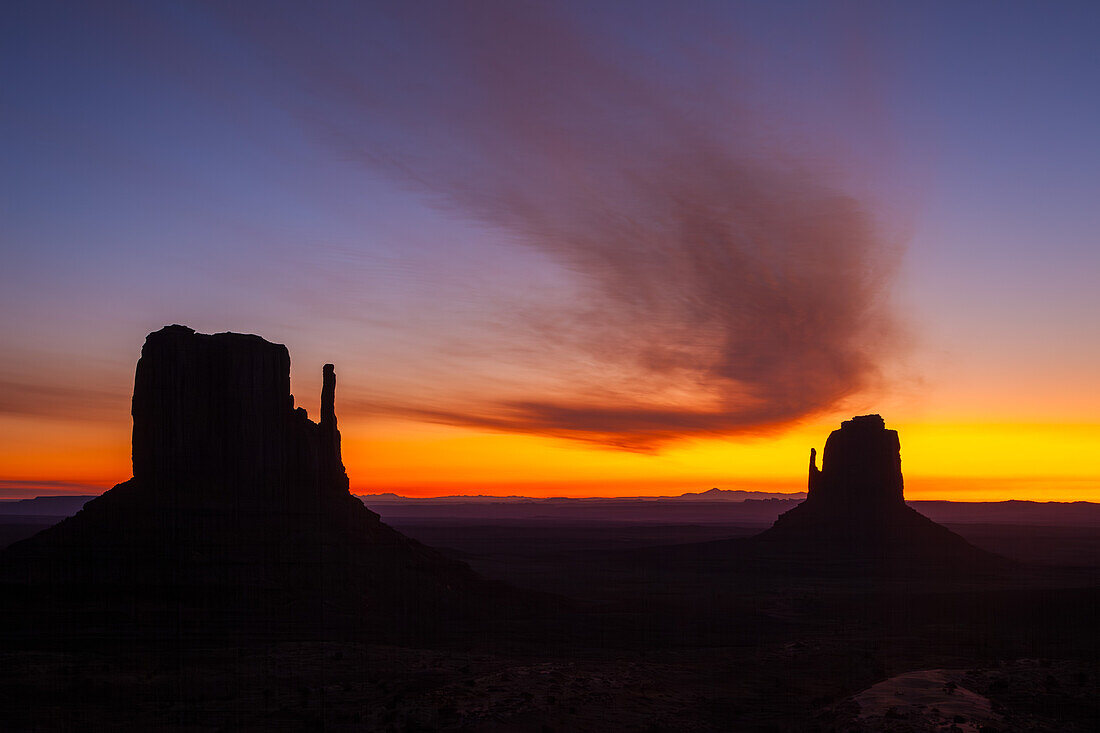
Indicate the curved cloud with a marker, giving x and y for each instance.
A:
(726, 286)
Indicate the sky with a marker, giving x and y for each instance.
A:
(571, 248)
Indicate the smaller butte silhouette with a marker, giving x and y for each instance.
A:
(238, 512)
(855, 510)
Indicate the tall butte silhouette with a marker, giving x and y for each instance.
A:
(239, 512)
(855, 510)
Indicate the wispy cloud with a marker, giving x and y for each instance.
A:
(14, 490)
(67, 401)
(727, 286)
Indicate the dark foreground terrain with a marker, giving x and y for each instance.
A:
(651, 638)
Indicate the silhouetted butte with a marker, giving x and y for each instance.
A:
(855, 510)
(238, 512)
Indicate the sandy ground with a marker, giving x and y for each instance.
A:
(930, 697)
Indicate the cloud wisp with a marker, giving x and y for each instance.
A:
(727, 285)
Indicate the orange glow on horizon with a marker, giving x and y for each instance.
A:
(953, 461)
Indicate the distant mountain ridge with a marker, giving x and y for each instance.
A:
(716, 506)
(46, 506)
(708, 495)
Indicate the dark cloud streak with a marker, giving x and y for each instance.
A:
(31, 398)
(731, 287)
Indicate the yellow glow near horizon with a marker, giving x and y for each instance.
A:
(970, 462)
(960, 461)
(1001, 450)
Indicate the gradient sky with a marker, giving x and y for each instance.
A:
(566, 249)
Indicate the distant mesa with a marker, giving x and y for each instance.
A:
(214, 421)
(239, 502)
(710, 496)
(855, 508)
(861, 467)
(45, 506)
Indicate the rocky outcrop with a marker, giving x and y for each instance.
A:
(213, 416)
(239, 506)
(855, 510)
(861, 466)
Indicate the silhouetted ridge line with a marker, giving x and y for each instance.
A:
(239, 504)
